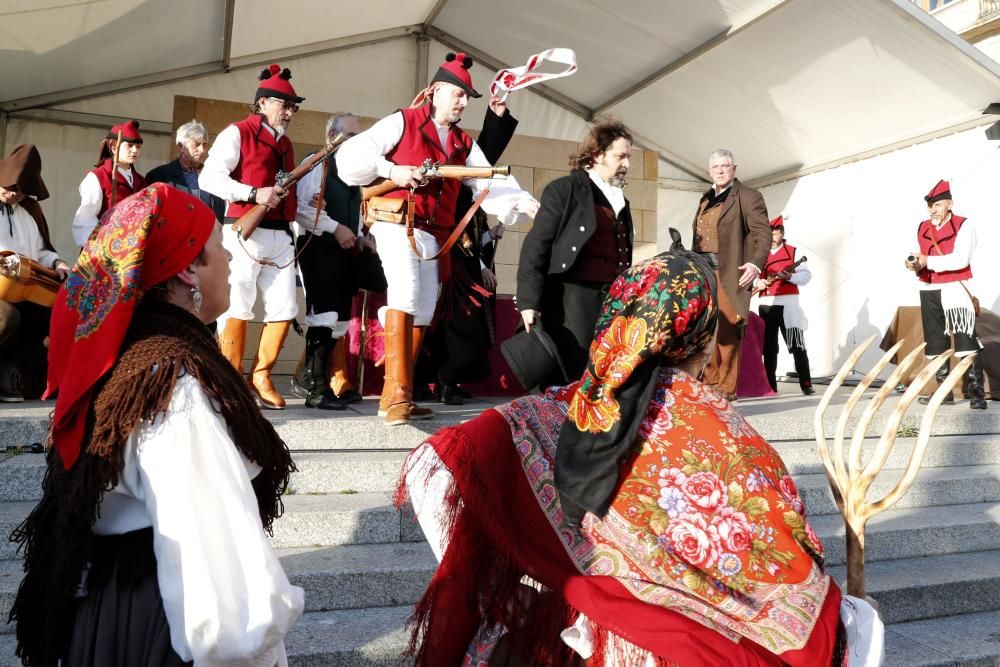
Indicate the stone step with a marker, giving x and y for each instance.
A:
(931, 587)
(964, 640)
(377, 638)
(933, 487)
(342, 577)
(785, 417)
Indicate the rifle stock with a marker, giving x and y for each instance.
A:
(770, 281)
(248, 223)
(383, 186)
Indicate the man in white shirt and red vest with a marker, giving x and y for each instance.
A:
(99, 183)
(242, 168)
(778, 289)
(943, 266)
(392, 149)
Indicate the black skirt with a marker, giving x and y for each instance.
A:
(120, 621)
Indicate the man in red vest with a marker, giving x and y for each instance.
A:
(391, 149)
(943, 266)
(778, 287)
(242, 168)
(99, 183)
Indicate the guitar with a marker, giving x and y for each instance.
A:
(24, 279)
(770, 281)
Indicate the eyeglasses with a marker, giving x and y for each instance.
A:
(285, 105)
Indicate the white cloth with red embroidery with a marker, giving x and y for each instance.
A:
(507, 81)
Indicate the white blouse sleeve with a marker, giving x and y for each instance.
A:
(361, 159)
(307, 188)
(222, 159)
(505, 197)
(226, 597)
(90, 205)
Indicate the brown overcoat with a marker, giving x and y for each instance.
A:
(744, 236)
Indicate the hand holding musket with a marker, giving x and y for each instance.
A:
(429, 170)
(249, 221)
(771, 280)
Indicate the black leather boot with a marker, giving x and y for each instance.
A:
(977, 391)
(941, 375)
(313, 375)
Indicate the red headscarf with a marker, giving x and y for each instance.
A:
(149, 237)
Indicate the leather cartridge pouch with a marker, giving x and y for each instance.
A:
(386, 209)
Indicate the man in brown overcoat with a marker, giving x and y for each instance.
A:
(731, 229)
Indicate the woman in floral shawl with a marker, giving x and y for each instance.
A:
(656, 525)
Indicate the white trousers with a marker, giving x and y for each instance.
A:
(413, 282)
(277, 286)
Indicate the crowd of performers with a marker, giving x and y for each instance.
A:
(624, 515)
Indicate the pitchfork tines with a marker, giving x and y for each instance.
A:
(850, 480)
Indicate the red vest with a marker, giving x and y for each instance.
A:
(607, 253)
(122, 188)
(779, 261)
(261, 156)
(945, 238)
(435, 202)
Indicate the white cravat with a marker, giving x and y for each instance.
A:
(615, 195)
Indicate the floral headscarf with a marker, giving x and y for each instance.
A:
(659, 312)
(147, 238)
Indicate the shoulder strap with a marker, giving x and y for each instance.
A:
(457, 232)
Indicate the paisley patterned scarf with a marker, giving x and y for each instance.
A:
(660, 311)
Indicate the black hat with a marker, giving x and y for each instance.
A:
(534, 358)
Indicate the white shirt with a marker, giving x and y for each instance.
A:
(226, 597)
(222, 158)
(361, 159)
(959, 257)
(19, 233)
(307, 188)
(614, 195)
(91, 197)
(801, 276)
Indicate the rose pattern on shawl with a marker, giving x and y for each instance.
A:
(695, 540)
(743, 561)
(790, 493)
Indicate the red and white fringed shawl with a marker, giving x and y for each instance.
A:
(499, 529)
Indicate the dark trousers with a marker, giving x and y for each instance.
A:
(933, 320)
(774, 321)
(569, 315)
(23, 329)
(332, 276)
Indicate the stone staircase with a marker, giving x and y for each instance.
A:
(934, 559)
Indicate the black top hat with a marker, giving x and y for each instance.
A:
(534, 358)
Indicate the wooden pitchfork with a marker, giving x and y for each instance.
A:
(850, 481)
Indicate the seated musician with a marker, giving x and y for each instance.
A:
(24, 325)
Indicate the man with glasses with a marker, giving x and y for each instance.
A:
(731, 230)
(336, 261)
(242, 168)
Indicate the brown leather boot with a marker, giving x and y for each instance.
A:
(232, 341)
(271, 340)
(418, 412)
(398, 390)
(339, 384)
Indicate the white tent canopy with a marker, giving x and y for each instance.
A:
(791, 86)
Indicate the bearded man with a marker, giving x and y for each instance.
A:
(392, 149)
(580, 242)
(242, 168)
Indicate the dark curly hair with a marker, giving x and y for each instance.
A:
(598, 140)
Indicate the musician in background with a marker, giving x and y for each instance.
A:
(242, 168)
(100, 187)
(24, 325)
(778, 287)
(580, 242)
(336, 261)
(392, 149)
